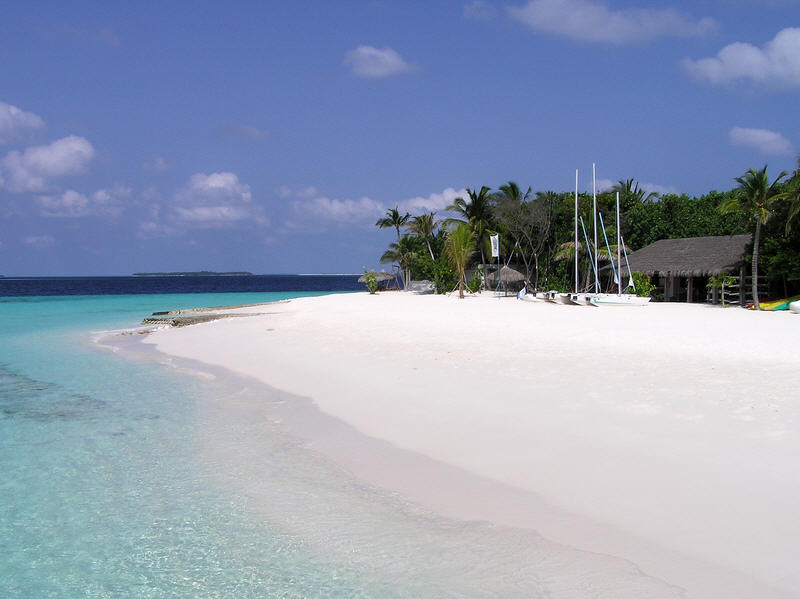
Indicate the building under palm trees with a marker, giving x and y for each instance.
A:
(681, 268)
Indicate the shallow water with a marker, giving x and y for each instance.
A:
(125, 477)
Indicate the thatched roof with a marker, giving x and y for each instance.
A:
(380, 276)
(690, 256)
(507, 274)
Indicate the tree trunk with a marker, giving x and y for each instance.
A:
(754, 269)
(461, 284)
(428, 243)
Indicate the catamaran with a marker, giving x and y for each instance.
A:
(619, 298)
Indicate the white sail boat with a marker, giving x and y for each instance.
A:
(619, 298)
(578, 297)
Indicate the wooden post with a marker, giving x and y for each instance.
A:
(689, 290)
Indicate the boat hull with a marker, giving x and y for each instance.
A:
(581, 299)
(563, 298)
(625, 299)
(795, 307)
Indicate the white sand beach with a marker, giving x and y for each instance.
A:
(666, 436)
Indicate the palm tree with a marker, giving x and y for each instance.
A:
(630, 193)
(401, 253)
(794, 196)
(755, 198)
(458, 248)
(424, 225)
(477, 213)
(511, 191)
(393, 219)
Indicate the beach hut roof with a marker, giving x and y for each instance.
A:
(507, 274)
(380, 276)
(690, 256)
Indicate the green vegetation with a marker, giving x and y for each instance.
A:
(643, 283)
(721, 281)
(536, 230)
(458, 249)
(755, 198)
(371, 281)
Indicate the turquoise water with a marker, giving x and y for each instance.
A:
(100, 491)
(124, 477)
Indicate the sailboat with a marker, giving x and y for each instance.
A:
(618, 298)
(578, 297)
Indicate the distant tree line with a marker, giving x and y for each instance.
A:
(536, 229)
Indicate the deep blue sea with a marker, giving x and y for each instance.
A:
(33, 286)
(128, 476)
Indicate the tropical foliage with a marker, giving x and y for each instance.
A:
(458, 249)
(536, 230)
(371, 281)
(393, 219)
(755, 197)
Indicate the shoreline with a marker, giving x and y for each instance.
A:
(330, 446)
(519, 484)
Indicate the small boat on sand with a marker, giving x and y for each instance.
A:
(621, 299)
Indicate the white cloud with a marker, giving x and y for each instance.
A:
(603, 185)
(777, 62)
(659, 189)
(343, 211)
(373, 63)
(479, 10)
(364, 211)
(590, 21)
(72, 204)
(244, 132)
(212, 215)
(157, 164)
(215, 200)
(32, 169)
(39, 241)
(16, 123)
(303, 192)
(435, 202)
(762, 140)
(216, 188)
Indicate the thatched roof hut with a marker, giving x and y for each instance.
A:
(380, 276)
(507, 274)
(690, 256)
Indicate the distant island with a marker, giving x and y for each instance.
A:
(201, 273)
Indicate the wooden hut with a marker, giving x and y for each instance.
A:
(681, 267)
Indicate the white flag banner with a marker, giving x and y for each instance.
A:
(495, 239)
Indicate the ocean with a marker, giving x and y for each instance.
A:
(127, 475)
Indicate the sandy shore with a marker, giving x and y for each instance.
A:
(664, 435)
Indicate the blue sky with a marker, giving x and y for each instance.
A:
(269, 136)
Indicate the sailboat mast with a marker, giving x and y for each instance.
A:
(576, 231)
(619, 261)
(594, 216)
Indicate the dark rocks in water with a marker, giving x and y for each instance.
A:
(183, 321)
(31, 399)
